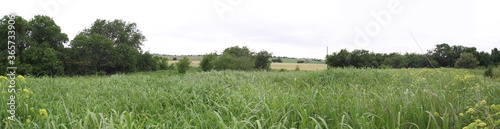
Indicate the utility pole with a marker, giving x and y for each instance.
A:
(327, 50)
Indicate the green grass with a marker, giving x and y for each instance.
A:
(336, 98)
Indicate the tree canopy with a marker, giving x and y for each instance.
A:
(106, 47)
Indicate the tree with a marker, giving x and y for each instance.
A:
(466, 60)
(443, 54)
(42, 61)
(45, 30)
(148, 63)
(121, 32)
(396, 60)
(206, 63)
(415, 60)
(262, 60)
(183, 65)
(483, 58)
(92, 54)
(495, 56)
(359, 58)
(338, 59)
(126, 41)
(22, 40)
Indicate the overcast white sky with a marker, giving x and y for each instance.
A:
(294, 28)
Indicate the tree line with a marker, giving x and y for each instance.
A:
(443, 55)
(106, 47)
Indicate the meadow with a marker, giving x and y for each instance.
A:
(334, 98)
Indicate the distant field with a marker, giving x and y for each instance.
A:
(288, 66)
(291, 66)
(191, 58)
(193, 63)
(295, 61)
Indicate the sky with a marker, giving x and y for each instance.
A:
(293, 28)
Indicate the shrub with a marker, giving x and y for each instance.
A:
(262, 60)
(489, 72)
(301, 61)
(466, 60)
(277, 60)
(183, 65)
(235, 58)
(206, 63)
(297, 68)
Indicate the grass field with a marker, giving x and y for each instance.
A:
(335, 98)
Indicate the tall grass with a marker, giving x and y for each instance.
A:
(336, 98)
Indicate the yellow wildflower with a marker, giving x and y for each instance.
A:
(4, 78)
(495, 107)
(470, 111)
(21, 77)
(482, 124)
(43, 112)
(436, 114)
(461, 114)
(483, 102)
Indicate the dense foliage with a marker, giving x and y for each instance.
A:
(237, 58)
(441, 56)
(106, 47)
(183, 65)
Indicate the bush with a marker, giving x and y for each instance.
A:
(183, 65)
(466, 60)
(262, 60)
(206, 63)
(162, 63)
(489, 72)
(301, 61)
(232, 62)
(235, 58)
(175, 58)
(277, 60)
(297, 68)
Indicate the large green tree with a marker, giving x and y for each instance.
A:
(126, 39)
(338, 59)
(22, 40)
(39, 43)
(444, 55)
(262, 60)
(92, 54)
